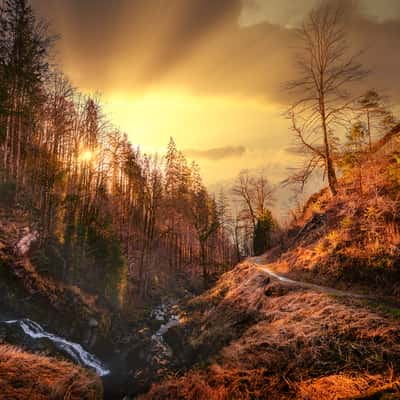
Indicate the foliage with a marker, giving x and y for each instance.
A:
(263, 233)
(7, 192)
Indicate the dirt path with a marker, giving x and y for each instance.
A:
(258, 263)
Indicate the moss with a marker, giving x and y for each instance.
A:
(385, 309)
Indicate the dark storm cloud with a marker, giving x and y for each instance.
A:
(217, 154)
(198, 45)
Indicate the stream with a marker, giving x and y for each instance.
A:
(134, 364)
(156, 354)
(166, 313)
(74, 350)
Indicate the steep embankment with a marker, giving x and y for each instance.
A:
(28, 376)
(256, 337)
(353, 239)
(343, 244)
(26, 292)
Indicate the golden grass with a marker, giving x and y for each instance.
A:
(26, 376)
(277, 341)
(342, 386)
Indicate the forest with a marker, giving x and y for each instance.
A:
(109, 218)
(124, 276)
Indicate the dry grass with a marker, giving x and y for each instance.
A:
(26, 376)
(353, 238)
(272, 340)
(342, 386)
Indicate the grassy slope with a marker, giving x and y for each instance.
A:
(256, 338)
(352, 240)
(27, 376)
(262, 339)
(332, 248)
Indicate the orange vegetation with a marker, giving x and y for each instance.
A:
(264, 339)
(352, 239)
(33, 377)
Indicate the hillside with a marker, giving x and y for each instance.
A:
(351, 240)
(125, 274)
(316, 316)
(255, 337)
(26, 290)
(28, 376)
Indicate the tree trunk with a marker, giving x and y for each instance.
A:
(203, 261)
(330, 169)
(369, 131)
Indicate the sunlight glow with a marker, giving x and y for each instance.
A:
(86, 156)
(150, 120)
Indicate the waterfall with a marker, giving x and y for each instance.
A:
(75, 350)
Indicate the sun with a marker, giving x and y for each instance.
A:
(86, 156)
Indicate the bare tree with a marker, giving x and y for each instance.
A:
(326, 72)
(255, 193)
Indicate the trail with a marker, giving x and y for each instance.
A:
(324, 289)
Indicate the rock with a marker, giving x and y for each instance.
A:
(276, 291)
(175, 339)
(25, 243)
(93, 323)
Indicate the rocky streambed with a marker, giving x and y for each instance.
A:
(147, 354)
(143, 356)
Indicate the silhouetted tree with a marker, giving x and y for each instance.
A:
(323, 88)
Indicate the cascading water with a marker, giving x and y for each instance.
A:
(165, 314)
(75, 350)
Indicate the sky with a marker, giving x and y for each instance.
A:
(209, 73)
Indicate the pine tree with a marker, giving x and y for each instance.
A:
(172, 170)
(262, 233)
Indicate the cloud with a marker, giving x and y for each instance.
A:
(199, 45)
(217, 154)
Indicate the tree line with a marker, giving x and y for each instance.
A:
(115, 220)
(110, 218)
